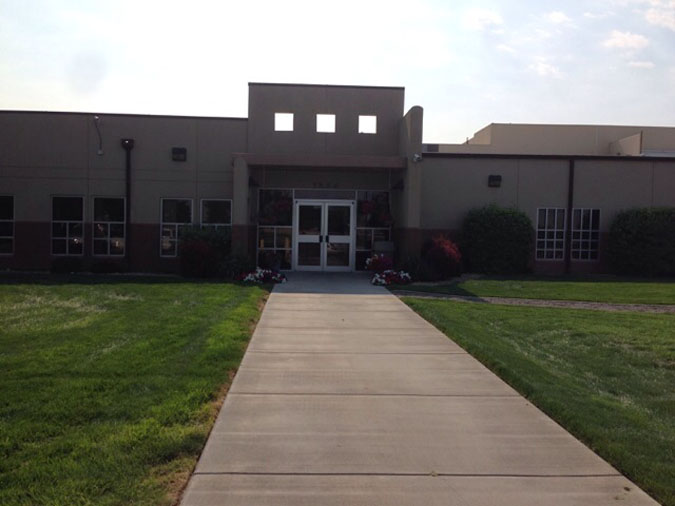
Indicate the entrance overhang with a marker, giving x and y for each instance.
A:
(313, 162)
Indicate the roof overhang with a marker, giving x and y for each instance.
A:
(308, 161)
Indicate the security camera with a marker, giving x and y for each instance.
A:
(417, 157)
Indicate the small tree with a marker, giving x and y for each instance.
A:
(497, 240)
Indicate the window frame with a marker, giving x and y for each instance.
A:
(13, 222)
(215, 226)
(175, 225)
(578, 233)
(67, 223)
(562, 231)
(94, 221)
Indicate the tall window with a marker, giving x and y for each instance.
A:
(585, 233)
(550, 233)
(176, 215)
(67, 225)
(109, 227)
(216, 213)
(6, 224)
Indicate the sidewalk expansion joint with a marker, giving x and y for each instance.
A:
(429, 474)
(352, 394)
(292, 352)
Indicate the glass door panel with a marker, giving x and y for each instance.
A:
(309, 219)
(308, 228)
(339, 237)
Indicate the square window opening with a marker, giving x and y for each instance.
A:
(367, 124)
(283, 121)
(325, 123)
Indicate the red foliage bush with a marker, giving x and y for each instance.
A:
(443, 257)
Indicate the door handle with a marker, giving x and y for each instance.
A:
(327, 238)
(320, 238)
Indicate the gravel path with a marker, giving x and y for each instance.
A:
(596, 306)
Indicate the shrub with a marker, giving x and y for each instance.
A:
(203, 252)
(497, 240)
(66, 265)
(418, 269)
(642, 241)
(379, 263)
(442, 257)
(235, 265)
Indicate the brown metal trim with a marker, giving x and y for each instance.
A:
(330, 86)
(319, 161)
(570, 209)
(608, 158)
(121, 114)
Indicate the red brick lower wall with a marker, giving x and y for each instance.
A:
(32, 249)
(409, 242)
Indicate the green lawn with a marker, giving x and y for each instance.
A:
(609, 378)
(593, 290)
(108, 390)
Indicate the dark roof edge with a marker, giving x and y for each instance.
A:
(80, 113)
(615, 158)
(330, 86)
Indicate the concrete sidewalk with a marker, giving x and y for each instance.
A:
(347, 397)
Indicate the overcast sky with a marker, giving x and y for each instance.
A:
(467, 63)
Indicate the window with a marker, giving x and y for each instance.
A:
(367, 124)
(216, 213)
(176, 215)
(550, 233)
(325, 123)
(109, 226)
(275, 232)
(67, 225)
(6, 224)
(283, 121)
(585, 233)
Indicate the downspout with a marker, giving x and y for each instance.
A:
(128, 145)
(570, 208)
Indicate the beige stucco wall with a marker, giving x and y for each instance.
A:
(45, 154)
(560, 139)
(453, 186)
(305, 101)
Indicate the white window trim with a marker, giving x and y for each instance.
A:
(214, 225)
(555, 230)
(162, 224)
(67, 237)
(13, 222)
(590, 231)
(107, 239)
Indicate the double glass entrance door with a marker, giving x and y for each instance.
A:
(324, 235)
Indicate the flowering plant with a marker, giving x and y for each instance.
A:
(262, 276)
(379, 263)
(390, 277)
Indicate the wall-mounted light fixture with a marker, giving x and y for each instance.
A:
(179, 154)
(494, 181)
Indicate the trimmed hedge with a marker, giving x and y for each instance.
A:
(497, 240)
(642, 241)
(204, 252)
(443, 258)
